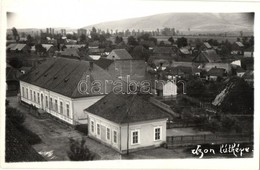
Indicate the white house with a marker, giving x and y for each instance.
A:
(62, 87)
(127, 122)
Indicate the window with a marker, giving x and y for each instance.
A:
(31, 94)
(92, 126)
(38, 97)
(34, 96)
(51, 104)
(98, 129)
(56, 106)
(115, 136)
(108, 134)
(27, 94)
(22, 92)
(46, 101)
(61, 107)
(157, 133)
(68, 110)
(135, 137)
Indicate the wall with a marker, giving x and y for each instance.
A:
(79, 104)
(169, 89)
(104, 124)
(42, 103)
(146, 130)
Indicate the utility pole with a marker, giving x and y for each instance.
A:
(127, 116)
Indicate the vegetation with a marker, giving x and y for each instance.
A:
(79, 151)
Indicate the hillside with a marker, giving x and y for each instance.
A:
(197, 22)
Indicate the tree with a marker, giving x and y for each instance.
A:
(29, 40)
(171, 40)
(195, 88)
(79, 151)
(118, 39)
(182, 42)
(15, 34)
(132, 41)
(83, 38)
(94, 35)
(139, 52)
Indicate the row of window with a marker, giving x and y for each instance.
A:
(48, 104)
(135, 134)
(108, 132)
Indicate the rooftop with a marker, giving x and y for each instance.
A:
(126, 108)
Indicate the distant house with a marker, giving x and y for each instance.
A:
(249, 52)
(122, 69)
(249, 77)
(127, 122)
(12, 80)
(54, 86)
(237, 48)
(240, 71)
(25, 70)
(75, 46)
(215, 73)
(70, 53)
(207, 56)
(50, 50)
(163, 51)
(208, 66)
(205, 46)
(18, 48)
(119, 54)
(96, 53)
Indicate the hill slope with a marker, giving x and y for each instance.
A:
(209, 22)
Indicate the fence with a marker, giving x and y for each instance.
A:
(172, 141)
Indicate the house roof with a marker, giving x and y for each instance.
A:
(211, 55)
(103, 62)
(184, 50)
(72, 52)
(46, 46)
(122, 53)
(207, 45)
(239, 44)
(216, 72)
(126, 108)
(14, 47)
(62, 75)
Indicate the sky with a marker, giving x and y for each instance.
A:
(77, 13)
(81, 13)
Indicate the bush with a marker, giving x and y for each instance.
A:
(83, 128)
(213, 125)
(15, 116)
(79, 151)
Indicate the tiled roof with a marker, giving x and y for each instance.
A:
(71, 52)
(126, 108)
(103, 62)
(207, 45)
(46, 46)
(62, 76)
(14, 47)
(216, 72)
(122, 53)
(75, 45)
(239, 44)
(211, 55)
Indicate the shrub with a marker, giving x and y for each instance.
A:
(79, 151)
(228, 123)
(15, 116)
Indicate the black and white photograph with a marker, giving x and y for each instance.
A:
(92, 82)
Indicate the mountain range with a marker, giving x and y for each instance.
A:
(195, 22)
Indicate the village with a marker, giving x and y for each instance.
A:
(108, 94)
